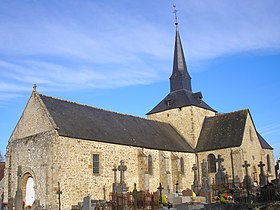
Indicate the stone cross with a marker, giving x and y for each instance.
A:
(247, 179)
(195, 181)
(220, 175)
(262, 174)
(246, 165)
(219, 160)
(205, 180)
(122, 168)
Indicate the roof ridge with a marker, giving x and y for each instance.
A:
(226, 113)
(94, 107)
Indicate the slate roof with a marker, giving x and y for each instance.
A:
(89, 123)
(222, 131)
(225, 131)
(180, 98)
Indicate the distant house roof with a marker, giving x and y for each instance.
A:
(225, 131)
(2, 169)
(89, 123)
(180, 98)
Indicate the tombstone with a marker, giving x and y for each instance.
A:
(135, 196)
(220, 175)
(87, 203)
(36, 204)
(19, 197)
(263, 179)
(195, 181)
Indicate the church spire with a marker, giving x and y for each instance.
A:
(180, 78)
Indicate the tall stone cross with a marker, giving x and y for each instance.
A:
(247, 179)
(195, 181)
(122, 168)
(219, 160)
(262, 174)
(205, 180)
(246, 165)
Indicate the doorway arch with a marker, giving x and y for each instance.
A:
(28, 189)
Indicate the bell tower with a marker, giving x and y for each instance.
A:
(182, 108)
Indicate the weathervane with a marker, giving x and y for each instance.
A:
(175, 12)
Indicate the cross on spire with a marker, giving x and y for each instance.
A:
(175, 13)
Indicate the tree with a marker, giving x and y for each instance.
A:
(2, 158)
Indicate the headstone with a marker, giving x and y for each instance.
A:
(187, 192)
(263, 179)
(135, 196)
(195, 181)
(18, 197)
(87, 203)
(36, 204)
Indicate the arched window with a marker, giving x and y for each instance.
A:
(211, 163)
(150, 164)
(182, 165)
(268, 163)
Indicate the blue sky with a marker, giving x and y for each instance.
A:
(117, 55)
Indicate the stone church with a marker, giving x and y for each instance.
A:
(80, 147)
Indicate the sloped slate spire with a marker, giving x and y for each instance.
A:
(180, 78)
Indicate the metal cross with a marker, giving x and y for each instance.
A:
(160, 188)
(175, 12)
(115, 173)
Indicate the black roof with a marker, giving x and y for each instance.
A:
(89, 123)
(180, 98)
(222, 131)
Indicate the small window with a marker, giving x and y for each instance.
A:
(169, 102)
(212, 163)
(268, 163)
(182, 165)
(95, 163)
(150, 164)
(251, 135)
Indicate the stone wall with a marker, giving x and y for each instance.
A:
(32, 154)
(186, 120)
(34, 119)
(72, 159)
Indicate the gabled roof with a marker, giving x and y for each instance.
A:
(222, 131)
(180, 98)
(89, 123)
(225, 131)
